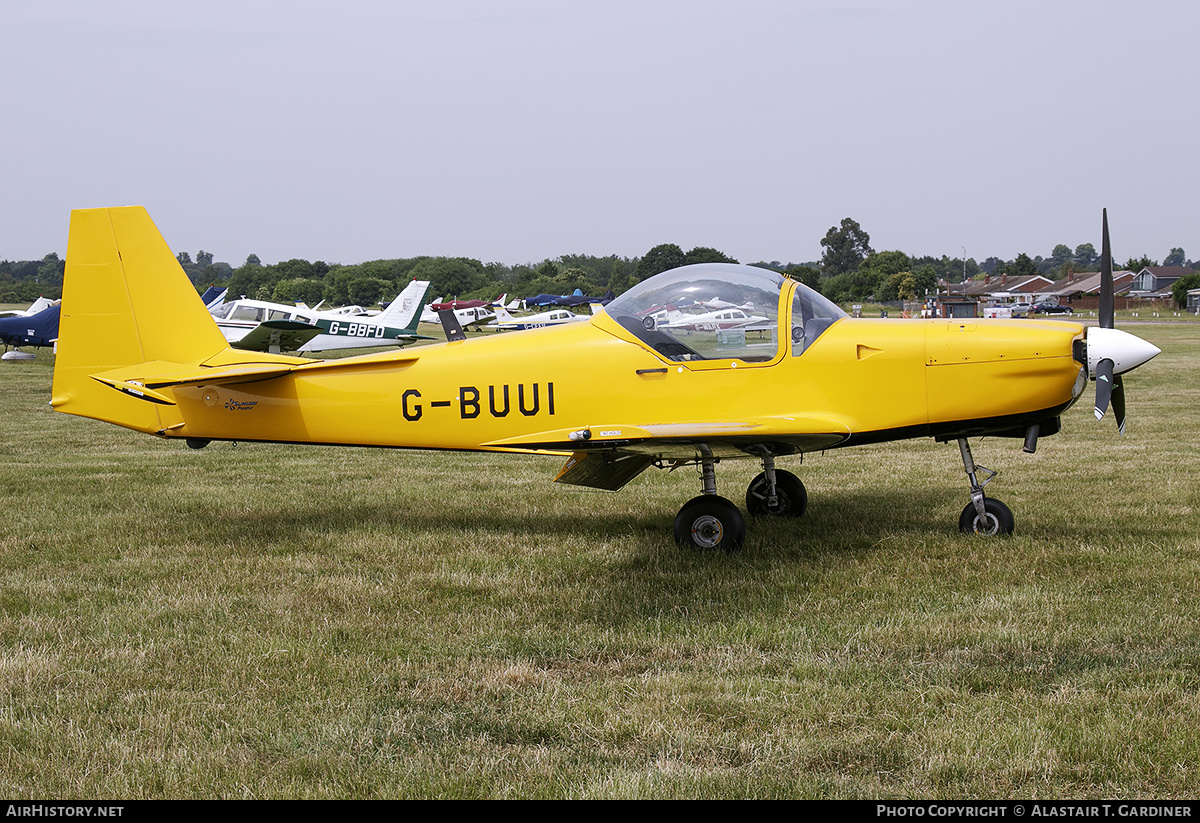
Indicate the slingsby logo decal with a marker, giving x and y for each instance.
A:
(500, 401)
(240, 405)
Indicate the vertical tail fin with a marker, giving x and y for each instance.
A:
(125, 301)
(405, 310)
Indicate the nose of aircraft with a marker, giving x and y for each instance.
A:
(1126, 351)
(1111, 353)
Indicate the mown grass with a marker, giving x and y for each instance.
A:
(259, 621)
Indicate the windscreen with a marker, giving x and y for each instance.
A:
(707, 311)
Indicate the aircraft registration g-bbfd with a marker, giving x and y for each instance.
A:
(274, 327)
(613, 395)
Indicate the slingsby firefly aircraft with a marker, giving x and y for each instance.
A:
(613, 396)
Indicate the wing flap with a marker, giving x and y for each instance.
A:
(601, 470)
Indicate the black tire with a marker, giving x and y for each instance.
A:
(708, 523)
(998, 520)
(791, 499)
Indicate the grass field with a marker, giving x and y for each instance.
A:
(258, 621)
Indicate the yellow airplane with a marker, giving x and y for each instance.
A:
(614, 395)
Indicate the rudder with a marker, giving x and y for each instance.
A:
(126, 301)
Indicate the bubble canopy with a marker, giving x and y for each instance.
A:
(714, 311)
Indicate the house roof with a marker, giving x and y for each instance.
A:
(1088, 283)
(1000, 285)
(1164, 277)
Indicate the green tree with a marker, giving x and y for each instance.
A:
(663, 257)
(50, 273)
(704, 254)
(1062, 259)
(367, 291)
(808, 275)
(620, 279)
(1175, 258)
(925, 280)
(1022, 266)
(873, 276)
(837, 288)
(450, 277)
(1182, 286)
(1137, 264)
(299, 289)
(1085, 257)
(846, 247)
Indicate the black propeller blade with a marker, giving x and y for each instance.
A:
(1108, 301)
(1118, 403)
(1110, 389)
(1104, 386)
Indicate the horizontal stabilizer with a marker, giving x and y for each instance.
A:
(145, 379)
(277, 336)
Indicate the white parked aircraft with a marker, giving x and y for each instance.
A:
(39, 305)
(473, 316)
(258, 325)
(720, 320)
(507, 322)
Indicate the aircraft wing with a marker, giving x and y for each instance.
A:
(277, 335)
(608, 457)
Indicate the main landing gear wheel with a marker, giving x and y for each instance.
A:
(996, 520)
(710, 522)
(790, 498)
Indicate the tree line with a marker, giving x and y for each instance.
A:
(849, 270)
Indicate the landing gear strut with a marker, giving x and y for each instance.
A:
(709, 521)
(983, 515)
(776, 492)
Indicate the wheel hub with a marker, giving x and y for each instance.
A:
(707, 531)
(988, 525)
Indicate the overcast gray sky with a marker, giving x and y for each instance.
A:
(522, 130)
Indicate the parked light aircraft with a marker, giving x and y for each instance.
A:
(213, 296)
(576, 298)
(41, 304)
(719, 320)
(38, 330)
(259, 325)
(442, 305)
(470, 316)
(609, 395)
(507, 322)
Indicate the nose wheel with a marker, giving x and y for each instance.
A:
(995, 520)
(984, 516)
